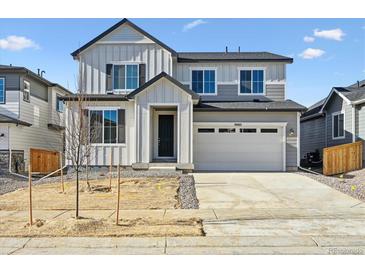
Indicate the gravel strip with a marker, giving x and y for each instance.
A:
(187, 193)
(352, 184)
(9, 183)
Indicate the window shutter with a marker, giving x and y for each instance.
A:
(108, 81)
(142, 74)
(121, 126)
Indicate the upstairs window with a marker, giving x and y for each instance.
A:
(26, 92)
(59, 104)
(125, 77)
(107, 126)
(2, 90)
(338, 125)
(251, 81)
(203, 81)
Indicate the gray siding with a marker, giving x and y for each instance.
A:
(11, 106)
(12, 81)
(289, 117)
(336, 104)
(312, 136)
(275, 92)
(37, 89)
(229, 92)
(38, 135)
(227, 72)
(12, 87)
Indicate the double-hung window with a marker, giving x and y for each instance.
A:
(107, 126)
(251, 81)
(203, 81)
(2, 90)
(26, 91)
(338, 125)
(59, 104)
(125, 77)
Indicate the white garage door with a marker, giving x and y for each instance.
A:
(246, 148)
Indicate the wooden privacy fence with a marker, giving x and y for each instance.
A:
(342, 158)
(44, 161)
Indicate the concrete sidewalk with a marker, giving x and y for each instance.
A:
(185, 245)
(228, 231)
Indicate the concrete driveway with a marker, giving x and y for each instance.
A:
(276, 205)
(266, 190)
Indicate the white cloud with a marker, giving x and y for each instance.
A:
(17, 43)
(332, 34)
(194, 24)
(310, 53)
(308, 39)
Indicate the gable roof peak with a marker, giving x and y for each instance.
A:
(124, 21)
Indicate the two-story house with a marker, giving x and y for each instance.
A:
(31, 116)
(335, 120)
(200, 110)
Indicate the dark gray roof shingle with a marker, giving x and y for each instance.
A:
(232, 56)
(287, 105)
(353, 94)
(314, 109)
(33, 75)
(7, 119)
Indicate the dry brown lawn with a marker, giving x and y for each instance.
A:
(139, 193)
(57, 209)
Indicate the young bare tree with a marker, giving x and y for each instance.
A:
(78, 137)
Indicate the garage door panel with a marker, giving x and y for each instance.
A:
(238, 151)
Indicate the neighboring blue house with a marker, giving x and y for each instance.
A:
(337, 119)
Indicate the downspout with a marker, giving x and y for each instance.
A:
(325, 130)
(353, 123)
(9, 147)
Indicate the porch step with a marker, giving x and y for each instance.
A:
(162, 166)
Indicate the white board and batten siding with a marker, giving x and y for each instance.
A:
(164, 93)
(123, 154)
(122, 45)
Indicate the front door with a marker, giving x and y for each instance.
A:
(166, 136)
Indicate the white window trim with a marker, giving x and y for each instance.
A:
(28, 90)
(117, 136)
(63, 109)
(125, 76)
(251, 69)
(4, 93)
(203, 69)
(333, 125)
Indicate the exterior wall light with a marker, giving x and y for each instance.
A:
(291, 132)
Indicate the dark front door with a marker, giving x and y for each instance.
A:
(166, 135)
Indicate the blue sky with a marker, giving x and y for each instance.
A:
(332, 54)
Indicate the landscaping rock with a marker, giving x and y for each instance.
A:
(351, 183)
(187, 193)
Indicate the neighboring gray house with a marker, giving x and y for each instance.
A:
(198, 110)
(31, 116)
(337, 119)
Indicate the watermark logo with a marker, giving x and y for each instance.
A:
(345, 251)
